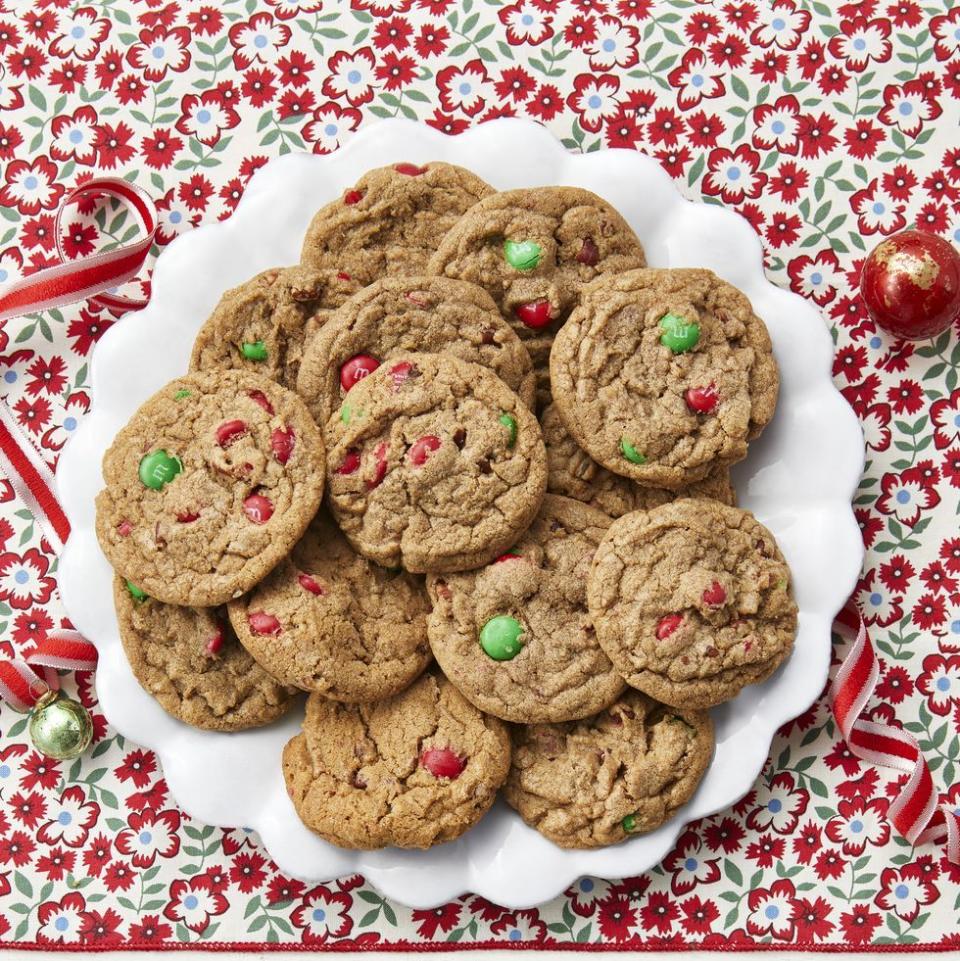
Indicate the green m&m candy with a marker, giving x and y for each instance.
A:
(630, 452)
(500, 637)
(254, 350)
(158, 468)
(629, 823)
(522, 254)
(678, 334)
(510, 422)
(135, 592)
(180, 394)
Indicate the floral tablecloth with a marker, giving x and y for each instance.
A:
(825, 126)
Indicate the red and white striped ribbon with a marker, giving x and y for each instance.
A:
(24, 680)
(914, 812)
(32, 480)
(88, 277)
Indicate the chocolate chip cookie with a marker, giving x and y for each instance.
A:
(571, 471)
(412, 771)
(664, 375)
(262, 325)
(428, 314)
(585, 784)
(533, 250)
(515, 636)
(190, 661)
(391, 221)
(330, 621)
(209, 486)
(692, 601)
(434, 464)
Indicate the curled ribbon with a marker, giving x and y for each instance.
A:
(88, 277)
(914, 812)
(24, 680)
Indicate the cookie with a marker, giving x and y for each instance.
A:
(428, 314)
(327, 620)
(391, 220)
(515, 636)
(533, 250)
(209, 486)
(664, 375)
(626, 771)
(262, 325)
(572, 472)
(434, 464)
(691, 601)
(412, 771)
(189, 660)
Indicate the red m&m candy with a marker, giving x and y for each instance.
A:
(702, 400)
(260, 622)
(309, 584)
(258, 508)
(259, 397)
(714, 595)
(668, 625)
(535, 314)
(409, 169)
(356, 368)
(380, 467)
(215, 643)
(229, 431)
(421, 449)
(282, 443)
(442, 762)
(351, 463)
(352, 197)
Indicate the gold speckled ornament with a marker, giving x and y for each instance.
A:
(60, 727)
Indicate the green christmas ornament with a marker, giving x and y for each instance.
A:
(678, 334)
(500, 637)
(158, 468)
(254, 350)
(510, 422)
(522, 255)
(630, 452)
(60, 727)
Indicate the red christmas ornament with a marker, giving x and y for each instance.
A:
(911, 285)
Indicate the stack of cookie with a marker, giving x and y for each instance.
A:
(581, 578)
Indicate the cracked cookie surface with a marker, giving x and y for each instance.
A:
(416, 770)
(434, 464)
(209, 486)
(691, 601)
(554, 670)
(664, 375)
(262, 325)
(625, 771)
(390, 222)
(396, 314)
(330, 621)
(533, 249)
(189, 660)
(572, 472)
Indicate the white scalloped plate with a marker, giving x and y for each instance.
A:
(798, 479)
